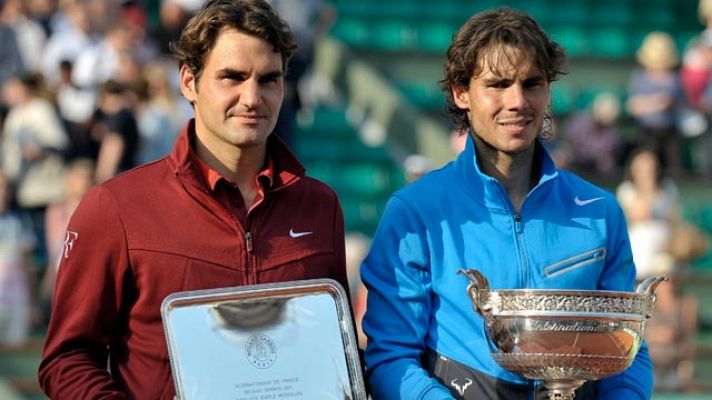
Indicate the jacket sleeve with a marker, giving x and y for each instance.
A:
(636, 382)
(88, 313)
(397, 275)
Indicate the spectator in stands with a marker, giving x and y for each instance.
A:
(671, 333)
(79, 178)
(11, 62)
(123, 43)
(99, 62)
(115, 129)
(356, 245)
(654, 94)
(30, 36)
(76, 107)
(695, 75)
(32, 143)
(501, 207)
(229, 206)
(650, 202)
(415, 166)
(695, 69)
(16, 244)
(161, 113)
(704, 12)
(172, 19)
(67, 41)
(309, 20)
(591, 141)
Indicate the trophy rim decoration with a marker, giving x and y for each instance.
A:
(517, 321)
(268, 291)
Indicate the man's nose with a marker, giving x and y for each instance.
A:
(515, 97)
(250, 94)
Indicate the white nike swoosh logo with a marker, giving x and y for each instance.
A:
(298, 234)
(580, 202)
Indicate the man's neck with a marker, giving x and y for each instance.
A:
(238, 165)
(515, 172)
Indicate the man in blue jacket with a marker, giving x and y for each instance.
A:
(503, 208)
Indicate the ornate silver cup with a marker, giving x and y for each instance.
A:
(563, 337)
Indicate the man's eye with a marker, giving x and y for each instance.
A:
(233, 78)
(270, 79)
(534, 84)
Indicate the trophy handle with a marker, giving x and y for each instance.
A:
(478, 289)
(648, 285)
(479, 292)
(647, 288)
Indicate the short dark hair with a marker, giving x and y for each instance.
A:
(252, 17)
(482, 36)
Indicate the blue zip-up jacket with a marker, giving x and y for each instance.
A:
(569, 234)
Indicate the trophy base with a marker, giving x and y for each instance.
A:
(562, 389)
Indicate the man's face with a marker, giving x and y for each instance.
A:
(506, 105)
(239, 94)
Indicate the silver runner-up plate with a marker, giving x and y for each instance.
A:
(281, 341)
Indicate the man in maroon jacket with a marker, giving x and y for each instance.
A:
(229, 206)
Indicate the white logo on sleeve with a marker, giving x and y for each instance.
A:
(582, 203)
(69, 239)
(461, 388)
(295, 235)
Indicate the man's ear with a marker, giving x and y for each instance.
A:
(188, 84)
(461, 96)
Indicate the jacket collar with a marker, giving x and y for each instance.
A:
(184, 161)
(488, 190)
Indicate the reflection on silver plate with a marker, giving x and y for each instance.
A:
(285, 341)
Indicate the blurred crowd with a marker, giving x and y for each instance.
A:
(88, 90)
(667, 103)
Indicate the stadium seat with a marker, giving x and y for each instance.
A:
(435, 36)
(425, 95)
(564, 99)
(362, 215)
(573, 38)
(567, 12)
(610, 43)
(327, 122)
(611, 13)
(393, 35)
(354, 31)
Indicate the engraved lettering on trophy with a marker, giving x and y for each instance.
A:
(571, 327)
(284, 388)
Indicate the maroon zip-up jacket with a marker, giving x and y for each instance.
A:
(156, 230)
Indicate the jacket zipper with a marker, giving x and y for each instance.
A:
(250, 267)
(248, 241)
(519, 235)
(577, 261)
